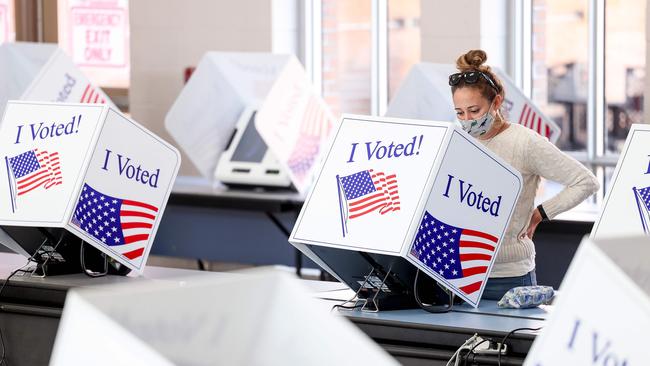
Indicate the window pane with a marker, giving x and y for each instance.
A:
(346, 55)
(95, 34)
(7, 25)
(403, 41)
(560, 67)
(624, 68)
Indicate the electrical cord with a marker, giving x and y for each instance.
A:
(454, 358)
(503, 341)
(429, 307)
(346, 307)
(88, 272)
(471, 351)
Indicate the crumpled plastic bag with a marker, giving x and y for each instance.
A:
(526, 297)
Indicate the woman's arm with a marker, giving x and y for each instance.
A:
(546, 160)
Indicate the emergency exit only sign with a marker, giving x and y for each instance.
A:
(99, 33)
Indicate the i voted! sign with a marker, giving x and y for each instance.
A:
(602, 314)
(626, 211)
(422, 190)
(88, 169)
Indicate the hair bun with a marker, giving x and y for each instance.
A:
(472, 60)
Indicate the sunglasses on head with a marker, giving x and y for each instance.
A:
(471, 77)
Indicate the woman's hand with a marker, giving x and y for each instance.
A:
(532, 225)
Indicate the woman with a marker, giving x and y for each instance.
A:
(478, 95)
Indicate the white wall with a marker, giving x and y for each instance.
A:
(168, 36)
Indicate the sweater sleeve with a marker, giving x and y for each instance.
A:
(547, 161)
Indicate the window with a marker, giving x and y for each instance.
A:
(346, 52)
(95, 34)
(560, 54)
(624, 69)
(403, 41)
(7, 25)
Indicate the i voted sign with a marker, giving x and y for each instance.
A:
(43, 72)
(426, 94)
(602, 314)
(422, 190)
(626, 211)
(88, 169)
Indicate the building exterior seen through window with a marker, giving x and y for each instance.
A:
(404, 42)
(560, 70)
(346, 68)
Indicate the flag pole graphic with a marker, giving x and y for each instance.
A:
(638, 206)
(11, 191)
(338, 186)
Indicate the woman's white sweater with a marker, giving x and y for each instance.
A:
(534, 157)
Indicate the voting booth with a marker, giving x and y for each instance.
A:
(43, 72)
(251, 118)
(397, 196)
(425, 94)
(249, 319)
(89, 170)
(602, 312)
(626, 210)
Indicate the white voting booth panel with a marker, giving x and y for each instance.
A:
(43, 72)
(426, 94)
(255, 319)
(295, 123)
(602, 314)
(88, 169)
(626, 211)
(290, 116)
(419, 190)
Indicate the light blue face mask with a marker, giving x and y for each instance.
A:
(479, 126)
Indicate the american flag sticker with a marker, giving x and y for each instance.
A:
(92, 95)
(458, 257)
(122, 225)
(31, 170)
(366, 192)
(642, 197)
(316, 124)
(532, 119)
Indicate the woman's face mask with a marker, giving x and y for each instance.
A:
(479, 126)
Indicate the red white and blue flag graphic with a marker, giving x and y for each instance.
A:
(459, 256)
(91, 95)
(366, 192)
(642, 196)
(31, 170)
(315, 125)
(121, 224)
(533, 120)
